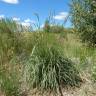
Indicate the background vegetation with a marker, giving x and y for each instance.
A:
(52, 59)
(84, 19)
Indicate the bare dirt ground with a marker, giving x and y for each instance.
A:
(87, 89)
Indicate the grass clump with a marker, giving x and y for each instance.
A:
(48, 69)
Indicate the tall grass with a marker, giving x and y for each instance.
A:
(8, 39)
(9, 42)
(46, 61)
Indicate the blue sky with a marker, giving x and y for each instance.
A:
(23, 10)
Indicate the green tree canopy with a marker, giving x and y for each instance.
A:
(83, 16)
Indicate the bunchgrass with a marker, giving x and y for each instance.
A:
(48, 68)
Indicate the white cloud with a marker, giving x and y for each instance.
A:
(42, 25)
(61, 16)
(29, 21)
(16, 19)
(2, 16)
(26, 24)
(11, 1)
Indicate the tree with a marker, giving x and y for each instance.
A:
(47, 26)
(83, 16)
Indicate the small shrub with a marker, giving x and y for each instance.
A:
(57, 29)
